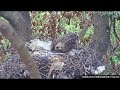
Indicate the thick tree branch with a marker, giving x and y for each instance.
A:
(20, 22)
(7, 30)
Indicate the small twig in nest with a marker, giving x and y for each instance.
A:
(43, 67)
(43, 74)
(50, 71)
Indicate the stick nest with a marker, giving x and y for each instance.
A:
(75, 63)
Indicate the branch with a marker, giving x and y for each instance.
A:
(114, 29)
(82, 34)
(115, 33)
(7, 31)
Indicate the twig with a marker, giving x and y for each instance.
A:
(43, 67)
(43, 74)
(114, 29)
(50, 71)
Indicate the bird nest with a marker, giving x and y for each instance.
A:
(69, 65)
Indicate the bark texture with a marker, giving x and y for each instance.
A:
(7, 31)
(101, 37)
(20, 21)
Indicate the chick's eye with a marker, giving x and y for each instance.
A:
(57, 47)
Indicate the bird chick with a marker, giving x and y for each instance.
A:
(65, 44)
(60, 47)
(56, 65)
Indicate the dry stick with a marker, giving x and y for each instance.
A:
(114, 29)
(50, 71)
(81, 34)
(7, 30)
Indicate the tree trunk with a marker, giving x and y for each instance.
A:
(20, 21)
(101, 38)
(7, 30)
